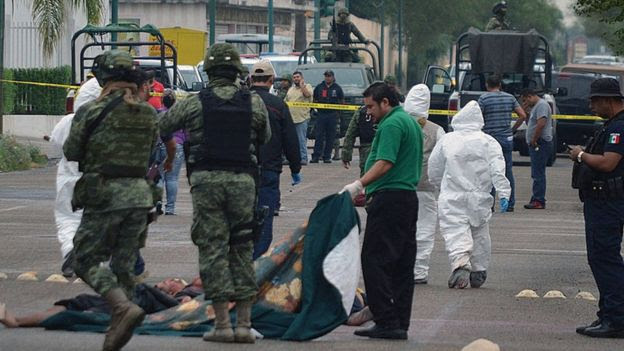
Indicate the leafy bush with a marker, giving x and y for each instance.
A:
(17, 157)
(38, 100)
(8, 91)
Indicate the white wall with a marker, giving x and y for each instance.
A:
(23, 47)
(164, 15)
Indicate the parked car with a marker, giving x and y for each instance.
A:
(190, 74)
(247, 60)
(573, 99)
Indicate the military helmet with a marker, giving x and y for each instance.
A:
(222, 55)
(390, 79)
(112, 64)
(288, 77)
(343, 10)
(499, 6)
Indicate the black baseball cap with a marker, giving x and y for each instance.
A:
(329, 72)
(605, 87)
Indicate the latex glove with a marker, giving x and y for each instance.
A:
(296, 178)
(354, 188)
(504, 205)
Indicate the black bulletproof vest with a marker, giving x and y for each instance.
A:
(227, 133)
(366, 127)
(343, 33)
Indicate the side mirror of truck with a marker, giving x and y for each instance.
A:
(198, 86)
(560, 92)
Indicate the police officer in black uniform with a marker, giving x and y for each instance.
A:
(599, 176)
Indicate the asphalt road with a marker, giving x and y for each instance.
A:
(532, 249)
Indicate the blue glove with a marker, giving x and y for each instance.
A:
(504, 205)
(296, 178)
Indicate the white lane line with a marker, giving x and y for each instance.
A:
(544, 251)
(12, 208)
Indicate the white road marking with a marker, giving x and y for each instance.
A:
(12, 208)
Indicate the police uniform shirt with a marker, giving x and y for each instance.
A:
(328, 95)
(613, 141)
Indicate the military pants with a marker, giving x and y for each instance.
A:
(223, 201)
(364, 151)
(115, 235)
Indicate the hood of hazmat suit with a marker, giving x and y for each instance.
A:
(417, 105)
(465, 164)
(67, 173)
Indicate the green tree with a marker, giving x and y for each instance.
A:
(603, 19)
(431, 27)
(49, 16)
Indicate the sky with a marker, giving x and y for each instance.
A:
(566, 8)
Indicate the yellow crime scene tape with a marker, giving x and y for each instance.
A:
(323, 106)
(311, 104)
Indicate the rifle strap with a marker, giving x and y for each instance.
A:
(105, 111)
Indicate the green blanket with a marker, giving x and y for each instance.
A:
(303, 294)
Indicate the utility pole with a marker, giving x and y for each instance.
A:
(213, 20)
(317, 25)
(382, 19)
(317, 19)
(400, 69)
(114, 17)
(1, 63)
(270, 25)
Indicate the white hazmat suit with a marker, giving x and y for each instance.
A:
(465, 164)
(67, 173)
(417, 105)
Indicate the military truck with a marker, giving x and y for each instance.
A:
(522, 59)
(352, 77)
(101, 39)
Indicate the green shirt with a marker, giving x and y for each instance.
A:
(398, 140)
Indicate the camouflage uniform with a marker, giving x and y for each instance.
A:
(353, 132)
(115, 221)
(498, 22)
(281, 92)
(340, 34)
(222, 200)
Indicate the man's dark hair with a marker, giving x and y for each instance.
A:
(527, 92)
(297, 72)
(493, 81)
(380, 90)
(260, 79)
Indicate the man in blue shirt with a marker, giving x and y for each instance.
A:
(497, 107)
(328, 92)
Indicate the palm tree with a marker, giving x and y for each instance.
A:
(49, 16)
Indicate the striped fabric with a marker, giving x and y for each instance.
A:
(497, 107)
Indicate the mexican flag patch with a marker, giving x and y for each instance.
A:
(614, 138)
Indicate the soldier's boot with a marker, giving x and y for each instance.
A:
(125, 317)
(222, 331)
(242, 333)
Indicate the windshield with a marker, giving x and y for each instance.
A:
(189, 76)
(345, 77)
(284, 67)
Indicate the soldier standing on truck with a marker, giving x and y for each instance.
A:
(498, 22)
(340, 34)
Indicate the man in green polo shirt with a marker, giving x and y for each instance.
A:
(392, 173)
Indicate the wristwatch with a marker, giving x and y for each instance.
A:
(578, 157)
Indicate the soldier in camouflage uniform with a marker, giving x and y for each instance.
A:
(362, 126)
(498, 22)
(113, 156)
(226, 125)
(340, 34)
(285, 84)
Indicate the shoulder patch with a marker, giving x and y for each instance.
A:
(614, 138)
